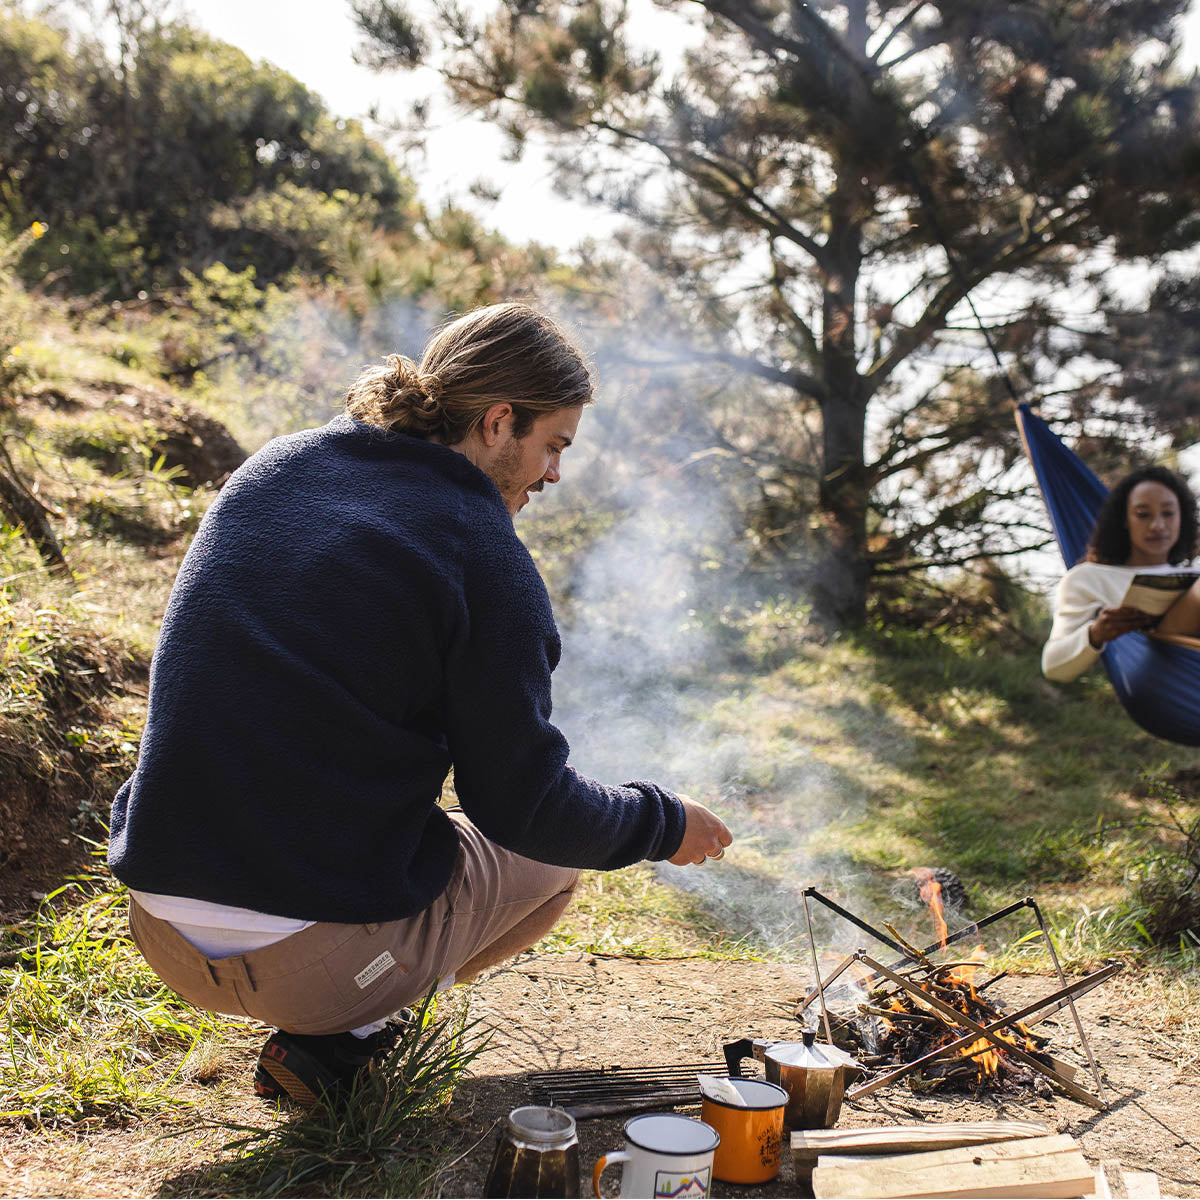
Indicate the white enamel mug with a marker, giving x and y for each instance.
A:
(665, 1155)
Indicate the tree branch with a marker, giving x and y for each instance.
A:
(23, 508)
(799, 381)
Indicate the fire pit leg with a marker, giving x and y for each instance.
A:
(1037, 912)
(846, 963)
(812, 945)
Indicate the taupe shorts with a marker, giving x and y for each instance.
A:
(332, 977)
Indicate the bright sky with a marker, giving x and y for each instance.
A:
(317, 46)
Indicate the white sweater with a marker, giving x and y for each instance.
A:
(1082, 592)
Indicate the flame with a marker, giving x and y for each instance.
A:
(931, 893)
(954, 985)
(987, 1056)
(984, 1055)
(968, 969)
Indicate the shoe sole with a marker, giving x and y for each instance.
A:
(296, 1089)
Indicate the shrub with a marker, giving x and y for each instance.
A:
(1163, 875)
(14, 310)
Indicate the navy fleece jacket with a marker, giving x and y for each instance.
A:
(355, 615)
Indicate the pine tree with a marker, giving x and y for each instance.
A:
(880, 170)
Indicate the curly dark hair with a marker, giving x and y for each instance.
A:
(1109, 542)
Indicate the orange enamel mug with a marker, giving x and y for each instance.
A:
(751, 1134)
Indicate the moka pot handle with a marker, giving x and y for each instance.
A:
(737, 1052)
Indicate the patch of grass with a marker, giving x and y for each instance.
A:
(92, 1038)
(635, 913)
(856, 760)
(90, 1032)
(386, 1139)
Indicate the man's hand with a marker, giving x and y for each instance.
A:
(704, 836)
(1112, 623)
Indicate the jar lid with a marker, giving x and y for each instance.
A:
(541, 1125)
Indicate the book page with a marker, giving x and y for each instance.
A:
(1154, 589)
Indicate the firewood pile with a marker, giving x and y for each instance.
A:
(954, 1159)
(896, 1025)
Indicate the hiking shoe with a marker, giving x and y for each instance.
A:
(321, 1069)
(265, 1088)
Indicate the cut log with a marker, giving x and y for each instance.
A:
(807, 1144)
(1047, 1167)
(1140, 1185)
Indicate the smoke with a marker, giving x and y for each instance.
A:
(654, 684)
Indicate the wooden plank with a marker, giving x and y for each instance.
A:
(1069, 1070)
(1140, 1185)
(1102, 1190)
(807, 1144)
(1047, 1167)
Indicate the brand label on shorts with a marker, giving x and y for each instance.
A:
(375, 968)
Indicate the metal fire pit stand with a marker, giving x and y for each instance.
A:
(1064, 997)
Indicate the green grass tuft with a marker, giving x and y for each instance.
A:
(385, 1139)
(90, 1032)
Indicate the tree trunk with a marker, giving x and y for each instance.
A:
(840, 587)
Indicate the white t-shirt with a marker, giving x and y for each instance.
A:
(219, 930)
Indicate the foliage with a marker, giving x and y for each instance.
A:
(1163, 873)
(1148, 352)
(174, 151)
(821, 190)
(61, 733)
(89, 1028)
(19, 506)
(14, 312)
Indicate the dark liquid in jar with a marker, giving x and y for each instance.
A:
(520, 1170)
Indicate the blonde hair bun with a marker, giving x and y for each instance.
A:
(504, 353)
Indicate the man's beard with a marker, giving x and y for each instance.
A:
(506, 473)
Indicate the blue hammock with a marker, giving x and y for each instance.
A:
(1156, 680)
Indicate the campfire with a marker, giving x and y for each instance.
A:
(926, 1016)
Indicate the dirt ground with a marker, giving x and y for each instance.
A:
(551, 1012)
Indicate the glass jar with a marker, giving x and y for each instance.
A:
(537, 1155)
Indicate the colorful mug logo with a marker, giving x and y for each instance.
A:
(669, 1186)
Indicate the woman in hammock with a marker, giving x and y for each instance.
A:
(1148, 520)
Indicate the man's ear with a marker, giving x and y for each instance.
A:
(493, 423)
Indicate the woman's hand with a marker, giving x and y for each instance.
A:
(1112, 623)
(705, 835)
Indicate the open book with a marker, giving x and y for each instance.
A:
(1154, 589)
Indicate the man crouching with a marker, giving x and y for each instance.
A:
(355, 617)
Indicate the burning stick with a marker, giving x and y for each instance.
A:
(981, 1031)
(1044, 1008)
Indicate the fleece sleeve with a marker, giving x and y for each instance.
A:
(510, 762)
(1067, 652)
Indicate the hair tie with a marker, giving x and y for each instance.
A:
(431, 386)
